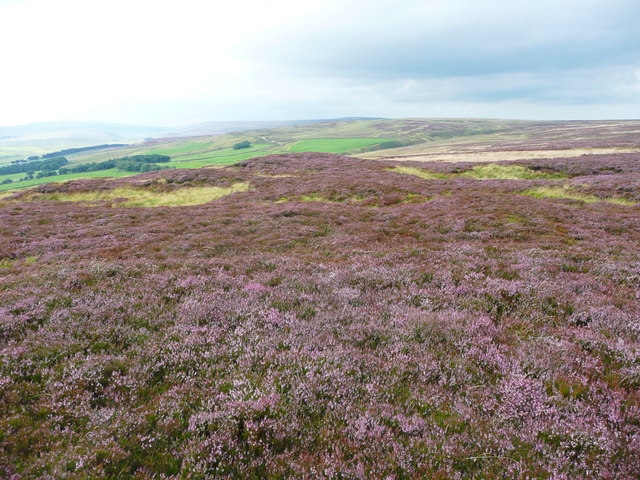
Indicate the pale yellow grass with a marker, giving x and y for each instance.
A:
(509, 172)
(564, 192)
(135, 197)
(316, 197)
(282, 175)
(419, 172)
(484, 172)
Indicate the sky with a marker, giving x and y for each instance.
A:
(174, 63)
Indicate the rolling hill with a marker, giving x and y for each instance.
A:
(401, 139)
(38, 138)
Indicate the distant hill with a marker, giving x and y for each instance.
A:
(218, 127)
(21, 141)
(38, 138)
(408, 139)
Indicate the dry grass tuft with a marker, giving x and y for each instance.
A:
(565, 192)
(510, 172)
(419, 172)
(135, 197)
(485, 172)
(317, 197)
(282, 175)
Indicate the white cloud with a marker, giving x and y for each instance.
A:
(169, 62)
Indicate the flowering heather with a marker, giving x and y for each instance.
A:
(333, 320)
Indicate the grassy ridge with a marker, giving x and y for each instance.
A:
(113, 172)
(136, 197)
(335, 145)
(225, 156)
(199, 153)
(566, 193)
(367, 138)
(179, 148)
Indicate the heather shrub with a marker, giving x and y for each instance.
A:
(481, 334)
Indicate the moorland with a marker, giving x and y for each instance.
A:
(400, 139)
(461, 302)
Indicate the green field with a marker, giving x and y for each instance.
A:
(223, 156)
(180, 148)
(12, 176)
(335, 145)
(357, 137)
(61, 178)
(218, 150)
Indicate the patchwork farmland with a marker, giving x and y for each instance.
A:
(402, 140)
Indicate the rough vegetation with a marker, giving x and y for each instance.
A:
(347, 332)
(486, 172)
(143, 197)
(406, 139)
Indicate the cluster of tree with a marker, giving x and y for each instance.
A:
(89, 167)
(48, 165)
(151, 158)
(31, 176)
(69, 151)
(134, 163)
(46, 173)
(55, 166)
(29, 159)
(129, 166)
(243, 144)
(141, 163)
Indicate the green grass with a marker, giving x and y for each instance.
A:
(510, 172)
(226, 156)
(316, 197)
(194, 154)
(281, 175)
(341, 137)
(197, 163)
(180, 148)
(335, 145)
(12, 176)
(63, 178)
(371, 202)
(565, 193)
(136, 197)
(420, 172)
(6, 263)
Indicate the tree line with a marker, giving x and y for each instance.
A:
(69, 151)
(134, 163)
(45, 165)
(55, 166)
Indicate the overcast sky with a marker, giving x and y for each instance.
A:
(173, 63)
